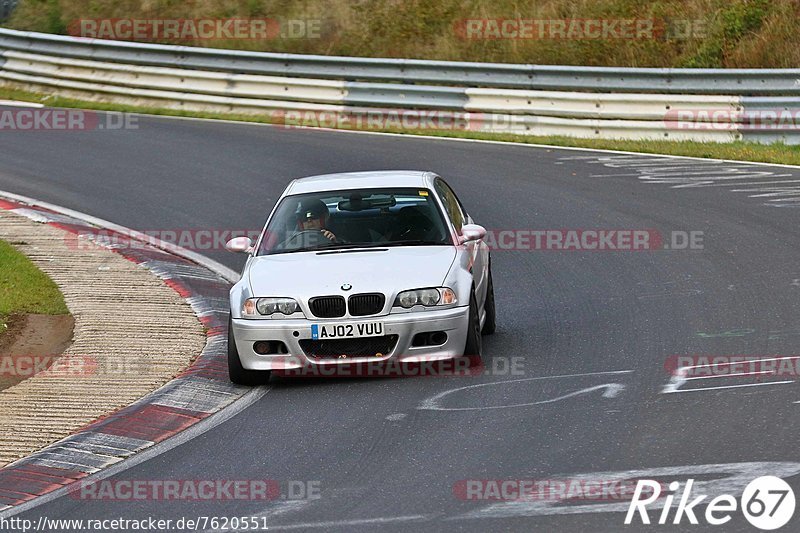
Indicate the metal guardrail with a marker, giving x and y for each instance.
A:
(515, 76)
(634, 103)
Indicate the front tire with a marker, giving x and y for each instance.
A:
(474, 345)
(237, 373)
(490, 323)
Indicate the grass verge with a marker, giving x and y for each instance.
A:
(679, 33)
(24, 288)
(778, 153)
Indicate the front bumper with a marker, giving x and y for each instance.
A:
(453, 321)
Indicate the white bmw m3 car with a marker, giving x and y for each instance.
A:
(360, 267)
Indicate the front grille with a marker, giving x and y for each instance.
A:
(366, 304)
(327, 306)
(362, 347)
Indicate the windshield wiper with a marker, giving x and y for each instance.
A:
(357, 250)
(355, 244)
(330, 246)
(351, 245)
(415, 242)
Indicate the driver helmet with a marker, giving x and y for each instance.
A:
(311, 209)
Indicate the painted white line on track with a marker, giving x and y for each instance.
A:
(722, 387)
(727, 478)
(355, 522)
(734, 375)
(611, 390)
(734, 177)
(752, 183)
(681, 375)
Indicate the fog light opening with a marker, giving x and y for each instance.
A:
(270, 348)
(429, 338)
(438, 337)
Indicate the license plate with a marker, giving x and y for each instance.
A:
(346, 331)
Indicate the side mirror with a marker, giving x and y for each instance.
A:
(239, 245)
(471, 232)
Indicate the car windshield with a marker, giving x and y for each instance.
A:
(358, 218)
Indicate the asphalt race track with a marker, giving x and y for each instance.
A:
(592, 332)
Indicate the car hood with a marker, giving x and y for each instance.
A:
(387, 270)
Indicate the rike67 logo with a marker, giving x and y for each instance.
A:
(767, 503)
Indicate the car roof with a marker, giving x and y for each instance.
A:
(361, 180)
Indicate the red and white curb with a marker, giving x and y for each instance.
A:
(200, 391)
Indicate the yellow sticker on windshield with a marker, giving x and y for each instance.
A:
(423, 193)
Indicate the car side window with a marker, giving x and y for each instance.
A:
(454, 209)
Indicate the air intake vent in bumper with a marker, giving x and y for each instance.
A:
(360, 347)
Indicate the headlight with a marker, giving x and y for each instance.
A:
(408, 299)
(269, 306)
(429, 297)
(425, 297)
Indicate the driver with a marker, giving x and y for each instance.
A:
(313, 215)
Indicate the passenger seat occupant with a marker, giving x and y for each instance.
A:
(412, 225)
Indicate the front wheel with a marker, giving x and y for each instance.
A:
(237, 373)
(490, 323)
(474, 345)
